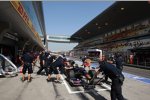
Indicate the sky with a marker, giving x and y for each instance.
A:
(67, 17)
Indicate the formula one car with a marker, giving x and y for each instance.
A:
(78, 76)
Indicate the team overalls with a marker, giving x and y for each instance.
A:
(113, 73)
(27, 60)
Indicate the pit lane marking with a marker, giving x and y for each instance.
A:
(138, 78)
(69, 90)
(106, 86)
(82, 91)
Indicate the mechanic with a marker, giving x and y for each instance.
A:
(69, 65)
(115, 75)
(43, 61)
(50, 67)
(58, 66)
(27, 65)
(119, 61)
(41, 58)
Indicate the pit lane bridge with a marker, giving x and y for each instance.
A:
(59, 39)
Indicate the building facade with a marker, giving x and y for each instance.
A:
(21, 27)
(125, 32)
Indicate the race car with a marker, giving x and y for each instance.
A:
(78, 76)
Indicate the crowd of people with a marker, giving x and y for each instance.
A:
(51, 64)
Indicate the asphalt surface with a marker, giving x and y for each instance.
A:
(39, 89)
(137, 71)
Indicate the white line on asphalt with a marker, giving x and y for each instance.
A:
(69, 90)
(65, 83)
(98, 90)
(106, 86)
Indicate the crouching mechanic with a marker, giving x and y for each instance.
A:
(58, 66)
(51, 69)
(116, 76)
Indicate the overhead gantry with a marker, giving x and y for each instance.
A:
(59, 39)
